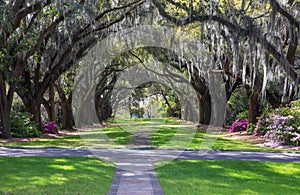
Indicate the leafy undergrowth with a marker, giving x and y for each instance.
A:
(229, 177)
(54, 175)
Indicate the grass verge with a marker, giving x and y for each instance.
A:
(54, 175)
(229, 177)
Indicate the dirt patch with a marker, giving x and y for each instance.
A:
(256, 140)
(244, 136)
(241, 136)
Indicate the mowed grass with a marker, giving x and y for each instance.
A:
(68, 141)
(229, 177)
(120, 133)
(215, 141)
(54, 175)
(108, 137)
(220, 142)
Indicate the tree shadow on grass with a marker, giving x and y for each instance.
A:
(229, 177)
(67, 141)
(54, 175)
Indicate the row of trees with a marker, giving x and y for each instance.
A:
(254, 44)
(41, 40)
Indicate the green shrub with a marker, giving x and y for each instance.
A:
(251, 128)
(22, 126)
(243, 115)
(238, 103)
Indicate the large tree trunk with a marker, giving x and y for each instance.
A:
(32, 94)
(52, 114)
(33, 106)
(66, 103)
(253, 107)
(103, 107)
(67, 118)
(204, 104)
(5, 106)
(5, 122)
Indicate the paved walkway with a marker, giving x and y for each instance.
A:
(142, 181)
(154, 154)
(135, 173)
(142, 139)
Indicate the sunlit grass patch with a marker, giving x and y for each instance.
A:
(54, 175)
(229, 177)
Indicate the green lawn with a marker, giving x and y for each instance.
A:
(68, 141)
(54, 175)
(108, 137)
(165, 134)
(224, 143)
(163, 131)
(229, 177)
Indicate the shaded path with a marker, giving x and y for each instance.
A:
(138, 182)
(135, 174)
(142, 139)
(160, 154)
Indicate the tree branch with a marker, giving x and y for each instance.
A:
(252, 33)
(286, 14)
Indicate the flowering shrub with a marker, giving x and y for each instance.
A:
(239, 125)
(279, 128)
(282, 129)
(261, 125)
(22, 125)
(49, 127)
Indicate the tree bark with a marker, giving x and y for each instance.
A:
(253, 107)
(103, 107)
(33, 106)
(5, 106)
(204, 104)
(52, 116)
(66, 103)
(5, 123)
(47, 107)
(67, 120)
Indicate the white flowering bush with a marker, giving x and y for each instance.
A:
(282, 127)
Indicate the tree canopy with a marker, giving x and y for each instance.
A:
(254, 44)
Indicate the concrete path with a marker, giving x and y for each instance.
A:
(142, 139)
(19, 151)
(134, 173)
(142, 181)
(153, 154)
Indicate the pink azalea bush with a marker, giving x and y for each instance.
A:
(281, 127)
(239, 125)
(49, 127)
